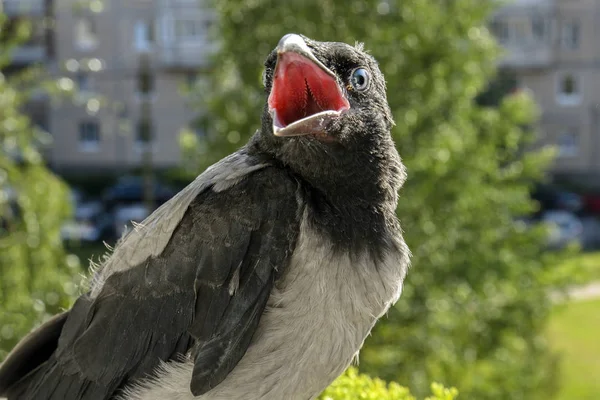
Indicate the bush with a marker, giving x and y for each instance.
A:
(354, 386)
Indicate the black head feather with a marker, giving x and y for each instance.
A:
(352, 167)
(355, 153)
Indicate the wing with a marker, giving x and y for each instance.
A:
(153, 234)
(32, 351)
(202, 292)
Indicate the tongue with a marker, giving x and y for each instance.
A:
(301, 88)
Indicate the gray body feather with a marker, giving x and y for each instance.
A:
(318, 315)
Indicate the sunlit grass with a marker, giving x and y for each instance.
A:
(574, 331)
(586, 264)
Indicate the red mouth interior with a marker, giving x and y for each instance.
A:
(301, 88)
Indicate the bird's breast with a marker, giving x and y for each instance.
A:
(317, 318)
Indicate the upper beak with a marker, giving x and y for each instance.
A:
(290, 47)
(294, 43)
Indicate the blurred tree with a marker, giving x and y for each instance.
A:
(503, 84)
(36, 277)
(475, 303)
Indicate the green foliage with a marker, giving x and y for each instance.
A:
(475, 302)
(35, 273)
(504, 83)
(585, 266)
(354, 386)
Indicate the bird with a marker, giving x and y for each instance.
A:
(263, 277)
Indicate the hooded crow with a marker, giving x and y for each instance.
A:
(262, 278)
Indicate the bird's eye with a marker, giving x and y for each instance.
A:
(360, 79)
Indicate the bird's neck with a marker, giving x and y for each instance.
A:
(351, 200)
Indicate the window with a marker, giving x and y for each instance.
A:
(143, 36)
(208, 23)
(570, 35)
(146, 84)
(186, 29)
(568, 86)
(500, 30)
(89, 136)
(85, 33)
(521, 30)
(84, 83)
(191, 29)
(144, 134)
(191, 79)
(538, 28)
(568, 90)
(568, 143)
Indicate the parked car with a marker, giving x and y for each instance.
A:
(569, 201)
(592, 203)
(130, 190)
(552, 197)
(565, 228)
(126, 215)
(90, 222)
(76, 197)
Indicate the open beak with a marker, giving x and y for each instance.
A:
(305, 95)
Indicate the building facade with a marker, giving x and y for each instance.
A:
(39, 49)
(550, 44)
(99, 49)
(552, 47)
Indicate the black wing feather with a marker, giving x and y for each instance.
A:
(269, 244)
(33, 350)
(203, 294)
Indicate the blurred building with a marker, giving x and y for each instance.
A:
(38, 49)
(100, 46)
(553, 47)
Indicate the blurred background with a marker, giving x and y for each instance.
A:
(109, 107)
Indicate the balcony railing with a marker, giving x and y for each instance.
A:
(28, 54)
(186, 55)
(23, 7)
(527, 56)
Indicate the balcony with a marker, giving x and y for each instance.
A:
(185, 56)
(518, 6)
(524, 29)
(35, 50)
(527, 56)
(29, 54)
(14, 8)
(184, 41)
